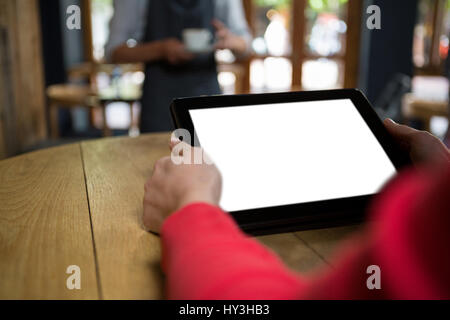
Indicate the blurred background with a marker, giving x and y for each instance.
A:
(56, 85)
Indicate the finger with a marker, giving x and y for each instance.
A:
(179, 148)
(149, 189)
(173, 60)
(173, 142)
(399, 131)
(186, 57)
(182, 52)
(165, 163)
(183, 57)
(153, 184)
(147, 185)
(218, 24)
(159, 166)
(177, 44)
(223, 33)
(220, 45)
(187, 54)
(151, 197)
(151, 218)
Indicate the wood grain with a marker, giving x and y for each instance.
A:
(23, 103)
(294, 253)
(128, 256)
(325, 242)
(353, 43)
(44, 226)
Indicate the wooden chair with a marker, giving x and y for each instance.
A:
(71, 96)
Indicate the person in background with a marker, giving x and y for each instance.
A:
(150, 32)
(207, 256)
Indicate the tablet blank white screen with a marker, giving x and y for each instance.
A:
(288, 153)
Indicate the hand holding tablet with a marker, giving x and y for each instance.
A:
(293, 160)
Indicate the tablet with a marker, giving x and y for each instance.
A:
(292, 161)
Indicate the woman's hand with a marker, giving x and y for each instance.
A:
(225, 39)
(172, 187)
(422, 146)
(175, 52)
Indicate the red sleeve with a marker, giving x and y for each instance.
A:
(206, 256)
(407, 237)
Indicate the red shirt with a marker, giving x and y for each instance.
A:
(207, 256)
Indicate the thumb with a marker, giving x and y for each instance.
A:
(400, 132)
(173, 142)
(218, 24)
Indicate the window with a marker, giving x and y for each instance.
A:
(301, 45)
(325, 37)
(101, 13)
(431, 37)
(298, 44)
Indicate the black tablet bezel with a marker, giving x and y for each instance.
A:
(303, 215)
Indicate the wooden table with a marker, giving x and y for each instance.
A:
(81, 204)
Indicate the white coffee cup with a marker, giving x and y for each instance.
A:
(197, 40)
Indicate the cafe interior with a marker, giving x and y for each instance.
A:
(58, 87)
(74, 156)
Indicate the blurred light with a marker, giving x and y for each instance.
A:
(118, 115)
(102, 80)
(131, 43)
(227, 78)
(443, 47)
(259, 45)
(271, 74)
(320, 74)
(134, 132)
(102, 12)
(342, 27)
(225, 56)
(138, 77)
(418, 46)
(278, 73)
(227, 81)
(316, 4)
(277, 37)
(430, 88)
(325, 34)
(438, 126)
(257, 75)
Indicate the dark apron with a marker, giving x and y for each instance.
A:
(164, 82)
